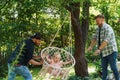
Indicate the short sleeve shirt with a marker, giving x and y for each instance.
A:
(106, 34)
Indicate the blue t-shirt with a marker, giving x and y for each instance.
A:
(26, 52)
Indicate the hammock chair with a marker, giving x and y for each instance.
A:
(66, 57)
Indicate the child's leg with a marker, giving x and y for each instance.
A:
(64, 74)
(44, 70)
(49, 70)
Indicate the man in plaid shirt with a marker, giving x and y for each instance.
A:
(107, 47)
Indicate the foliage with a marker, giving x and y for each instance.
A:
(20, 19)
(3, 69)
(78, 78)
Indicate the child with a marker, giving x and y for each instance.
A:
(56, 64)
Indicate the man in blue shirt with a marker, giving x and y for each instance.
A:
(22, 56)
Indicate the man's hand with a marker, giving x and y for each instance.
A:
(97, 52)
(40, 63)
(93, 42)
(36, 57)
(33, 62)
(89, 49)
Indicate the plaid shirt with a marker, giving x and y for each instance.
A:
(106, 34)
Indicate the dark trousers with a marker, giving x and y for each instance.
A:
(110, 59)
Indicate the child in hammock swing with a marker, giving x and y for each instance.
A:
(56, 62)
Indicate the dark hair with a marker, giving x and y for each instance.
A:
(37, 36)
(99, 16)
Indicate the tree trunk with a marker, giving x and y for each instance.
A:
(81, 64)
(85, 21)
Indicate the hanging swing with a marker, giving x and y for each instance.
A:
(57, 62)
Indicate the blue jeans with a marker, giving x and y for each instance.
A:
(21, 70)
(110, 59)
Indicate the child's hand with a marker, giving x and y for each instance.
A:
(44, 55)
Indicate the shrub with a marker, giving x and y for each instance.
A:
(78, 78)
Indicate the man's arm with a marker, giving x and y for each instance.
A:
(93, 42)
(103, 45)
(33, 62)
(29, 54)
(108, 33)
(36, 57)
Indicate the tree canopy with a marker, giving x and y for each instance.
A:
(19, 19)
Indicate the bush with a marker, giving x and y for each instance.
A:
(78, 78)
(3, 71)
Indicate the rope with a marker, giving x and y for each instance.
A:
(56, 33)
(54, 36)
(70, 37)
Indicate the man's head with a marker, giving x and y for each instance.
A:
(36, 38)
(100, 19)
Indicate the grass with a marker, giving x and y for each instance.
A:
(1, 78)
(35, 74)
(91, 68)
(34, 71)
(92, 72)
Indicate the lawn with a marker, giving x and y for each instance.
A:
(35, 73)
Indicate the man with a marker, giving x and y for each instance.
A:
(107, 47)
(22, 56)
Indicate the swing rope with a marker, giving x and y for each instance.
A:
(70, 35)
(54, 37)
(66, 57)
